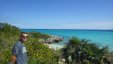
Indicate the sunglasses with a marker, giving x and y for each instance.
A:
(25, 36)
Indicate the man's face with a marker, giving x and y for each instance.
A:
(24, 37)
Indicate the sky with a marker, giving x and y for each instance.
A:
(57, 14)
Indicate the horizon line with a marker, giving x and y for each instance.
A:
(64, 29)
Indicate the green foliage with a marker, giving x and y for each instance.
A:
(9, 30)
(8, 35)
(77, 51)
(38, 53)
(41, 54)
(74, 40)
(85, 52)
(38, 35)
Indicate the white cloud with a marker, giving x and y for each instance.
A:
(75, 25)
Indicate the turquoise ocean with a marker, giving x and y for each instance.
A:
(100, 37)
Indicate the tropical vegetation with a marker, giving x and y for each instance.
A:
(38, 53)
(77, 51)
(84, 52)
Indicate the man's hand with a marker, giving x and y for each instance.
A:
(13, 59)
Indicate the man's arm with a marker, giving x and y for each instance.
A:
(15, 51)
(13, 59)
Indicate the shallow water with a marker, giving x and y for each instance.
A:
(101, 37)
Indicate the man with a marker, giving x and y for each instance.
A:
(19, 55)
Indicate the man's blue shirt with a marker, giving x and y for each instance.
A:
(20, 51)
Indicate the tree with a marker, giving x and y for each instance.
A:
(84, 52)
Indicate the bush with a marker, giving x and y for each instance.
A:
(41, 54)
(38, 53)
(8, 35)
(85, 52)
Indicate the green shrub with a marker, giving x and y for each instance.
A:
(38, 53)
